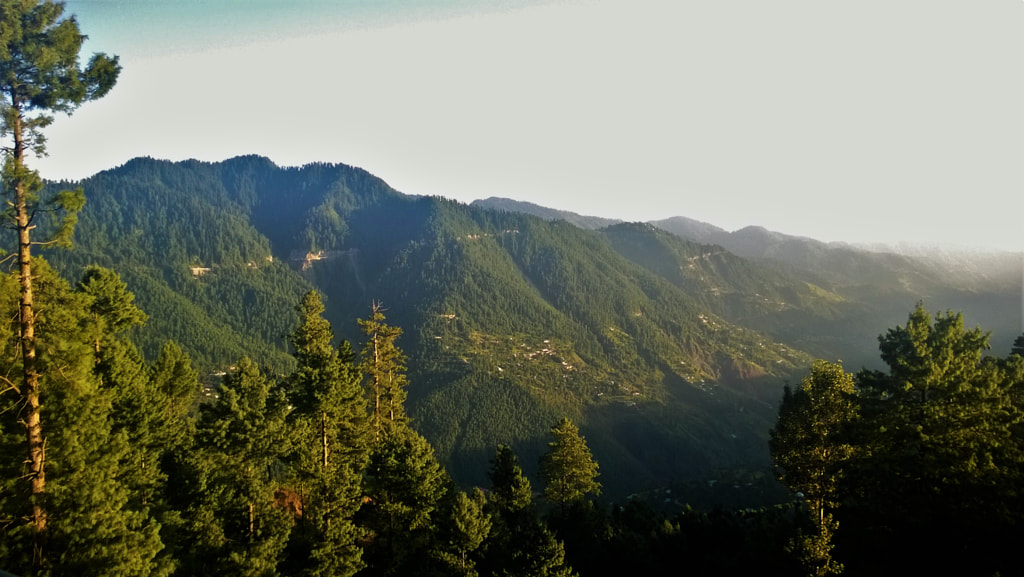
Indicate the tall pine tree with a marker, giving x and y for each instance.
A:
(332, 443)
(383, 363)
(97, 522)
(404, 485)
(243, 438)
(519, 545)
(568, 468)
(39, 75)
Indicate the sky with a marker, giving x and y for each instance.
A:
(860, 121)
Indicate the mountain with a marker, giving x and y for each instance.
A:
(885, 281)
(787, 308)
(509, 205)
(670, 353)
(694, 230)
(863, 290)
(510, 321)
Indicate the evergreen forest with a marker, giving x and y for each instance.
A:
(237, 368)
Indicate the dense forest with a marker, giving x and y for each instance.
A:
(505, 394)
(319, 471)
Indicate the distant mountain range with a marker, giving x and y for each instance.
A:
(668, 342)
(882, 280)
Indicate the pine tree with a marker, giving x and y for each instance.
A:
(39, 75)
(122, 371)
(384, 366)
(809, 446)
(942, 411)
(176, 389)
(940, 462)
(112, 304)
(510, 489)
(177, 383)
(150, 406)
(519, 545)
(404, 485)
(464, 532)
(243, 437)
(1018, 346)
(332, 442)
(568, 469)
(97, 525)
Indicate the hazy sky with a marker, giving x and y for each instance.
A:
(866, 120)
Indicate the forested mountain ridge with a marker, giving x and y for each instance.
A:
(864, 287)
(876, 285)
(669, 352)
(510, 321)
(509, 205)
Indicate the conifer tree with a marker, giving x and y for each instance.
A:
(39, 75)
(149, 405)
(243, 437)
(122, 371)
(404, 481)
(1018, 346)
(175, 387)
(942, 463)
(404, 485)
(177, 383)
(383, 363)
(510, 489)
(112, 304)
(519, 544)
(97, 526)
(568, 469)
(809, 446)
(464, 532)
(332, 442)
(942, 415)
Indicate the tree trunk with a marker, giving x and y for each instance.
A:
(376, 387)
(252, 522)
(323, 436)
(27, 322)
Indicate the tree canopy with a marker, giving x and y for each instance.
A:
(568, 469)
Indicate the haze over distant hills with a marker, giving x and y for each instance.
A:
(954, 254)
(669, 342)
(988, 285)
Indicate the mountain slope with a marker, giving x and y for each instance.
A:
(862, 290)
(885, 284)
(510, 321)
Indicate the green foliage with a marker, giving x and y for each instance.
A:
(111, 300)
(510, 489)
(39, 68)
(404, 485)
(464, 532)
(810, 442)
(332, 442)
(926, 454)
(243, 437)
(815, 549)
(519, 544)
(942, 452)
(568, 469)
(810, 446)
(480, 295)
(384, 366)
(154, 225)
(98, 524)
